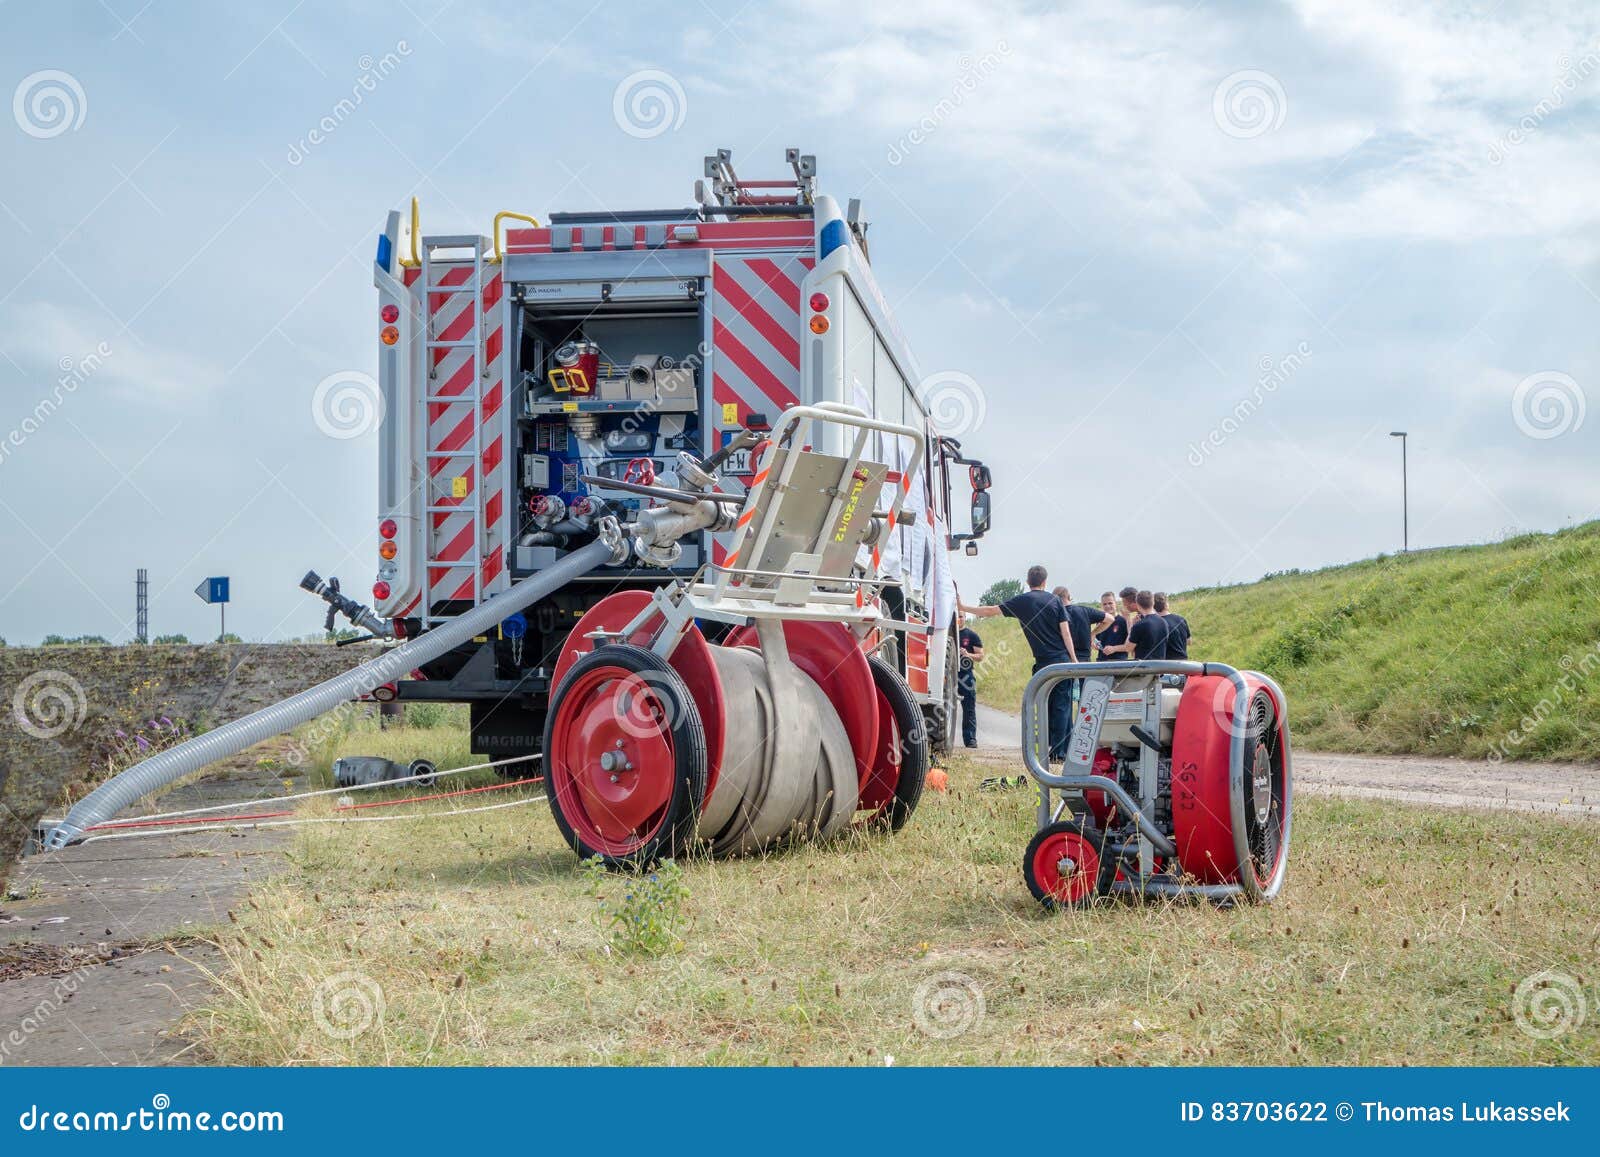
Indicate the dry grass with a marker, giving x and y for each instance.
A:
(1400, 938)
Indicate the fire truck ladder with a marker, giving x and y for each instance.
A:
(470, 504)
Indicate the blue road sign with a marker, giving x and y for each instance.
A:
(213, 590)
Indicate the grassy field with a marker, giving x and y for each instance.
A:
(1466, 651)
(1400, 937)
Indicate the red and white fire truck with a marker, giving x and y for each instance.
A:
(547, 376)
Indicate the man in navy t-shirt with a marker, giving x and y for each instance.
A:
(1049, 635)
(1081, 622)
(1148, 636)
(1177, 627)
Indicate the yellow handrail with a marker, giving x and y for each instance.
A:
(416, 232)
(494, 257)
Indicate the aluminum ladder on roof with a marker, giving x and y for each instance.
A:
(473, 503)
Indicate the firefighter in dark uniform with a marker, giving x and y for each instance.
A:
(967, 684)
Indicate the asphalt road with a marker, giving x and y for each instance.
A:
(1558, 788)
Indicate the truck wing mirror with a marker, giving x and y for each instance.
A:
(978, 474)
(980, 512)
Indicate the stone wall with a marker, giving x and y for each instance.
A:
(61, 709)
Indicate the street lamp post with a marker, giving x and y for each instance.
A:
(1405, 497)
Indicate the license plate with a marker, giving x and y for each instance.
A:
(738, 463)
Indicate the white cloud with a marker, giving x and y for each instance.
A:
(48, 340)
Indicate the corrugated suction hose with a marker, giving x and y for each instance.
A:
(191, 755)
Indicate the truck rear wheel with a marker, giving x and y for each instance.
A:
(942, 717)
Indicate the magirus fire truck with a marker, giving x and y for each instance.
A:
(551, 375)
(660, 501)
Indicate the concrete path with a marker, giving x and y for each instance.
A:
(100, 945)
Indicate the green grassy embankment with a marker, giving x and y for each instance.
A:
(1464, 651)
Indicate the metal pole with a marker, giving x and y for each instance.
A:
(1405, 495)
(1405, 500)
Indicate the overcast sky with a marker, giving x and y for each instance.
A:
(1177, 273)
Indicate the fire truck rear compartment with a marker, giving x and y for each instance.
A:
(643, 407)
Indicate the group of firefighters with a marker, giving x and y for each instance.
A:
(1059, 630)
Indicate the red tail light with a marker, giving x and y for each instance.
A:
(380, 590)
(819, 302)
(388, 528)
(390, 313)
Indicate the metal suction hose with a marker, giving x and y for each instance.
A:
(193, 754)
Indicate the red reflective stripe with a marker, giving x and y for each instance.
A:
(457, 383)
(456, 549)
(454, 440)
(492, 565)
(491, 402)
(752, 367)
(776, 280)
(763, 322)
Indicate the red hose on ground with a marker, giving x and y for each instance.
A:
(227, 819)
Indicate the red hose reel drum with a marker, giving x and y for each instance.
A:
(1202, 795)
(797, 749)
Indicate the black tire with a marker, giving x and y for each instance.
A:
(676, 832)
(942, 718)
(1045, 890)
(913, 745)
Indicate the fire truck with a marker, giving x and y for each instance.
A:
(662, 504)
(553, 375)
